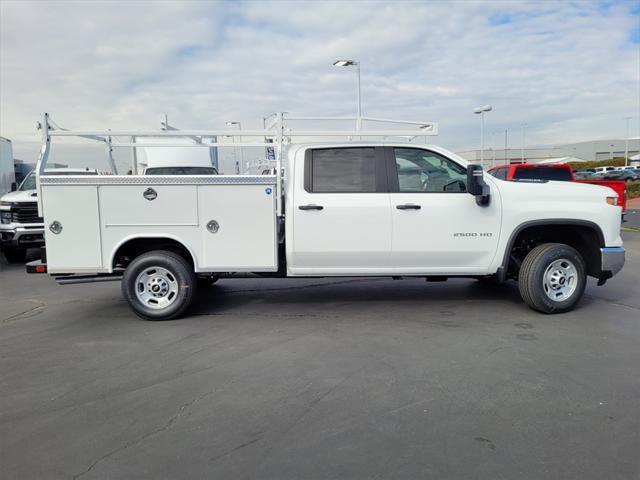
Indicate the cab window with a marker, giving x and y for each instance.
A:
(341, 170)
(423, 171)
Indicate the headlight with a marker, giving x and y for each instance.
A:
(5, 204)
(5, 217)
(612, 200)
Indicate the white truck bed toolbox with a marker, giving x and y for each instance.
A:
(226, 222)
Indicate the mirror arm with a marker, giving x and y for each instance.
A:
(485, 197)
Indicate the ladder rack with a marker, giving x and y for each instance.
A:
(277, 135)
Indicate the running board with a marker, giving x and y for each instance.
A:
(73, 279)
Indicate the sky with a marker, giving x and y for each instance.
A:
(570, 70)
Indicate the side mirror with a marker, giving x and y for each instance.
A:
(14, 186)
(476, 185)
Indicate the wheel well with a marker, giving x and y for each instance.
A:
(137, 246)
(586, 239)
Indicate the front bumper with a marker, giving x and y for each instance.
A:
(22, 236)
(611, 261)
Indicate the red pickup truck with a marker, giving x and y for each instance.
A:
(561, 172)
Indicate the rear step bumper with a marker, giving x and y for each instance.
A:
(37, 266)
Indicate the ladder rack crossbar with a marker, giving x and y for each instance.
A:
(94, 135)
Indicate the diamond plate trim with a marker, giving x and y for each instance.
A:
(158, 180)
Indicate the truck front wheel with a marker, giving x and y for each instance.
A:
(159, 285)
(552, 278)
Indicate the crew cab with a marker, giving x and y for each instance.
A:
(21, 227)
(332, 209)
(560, 172)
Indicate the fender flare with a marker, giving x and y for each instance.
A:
(501, 273)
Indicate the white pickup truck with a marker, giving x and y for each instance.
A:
(350, 208)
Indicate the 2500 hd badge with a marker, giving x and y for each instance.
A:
(473, 234)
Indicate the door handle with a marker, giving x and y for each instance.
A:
(310, 207)
(408, 206)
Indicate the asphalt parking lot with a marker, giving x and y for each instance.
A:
(284, 379)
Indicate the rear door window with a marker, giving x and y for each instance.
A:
(342, 170)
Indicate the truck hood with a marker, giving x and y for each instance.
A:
(551, 191)
(21, 196)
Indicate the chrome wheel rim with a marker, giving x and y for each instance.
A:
(156, 287)
(560, 280)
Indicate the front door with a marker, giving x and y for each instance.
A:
(342, 217)
(437, 226)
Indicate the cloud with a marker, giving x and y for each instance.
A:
(570, 70)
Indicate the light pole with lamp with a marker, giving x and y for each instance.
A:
(353, 63)
(480, 111)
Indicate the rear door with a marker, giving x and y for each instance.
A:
(341, 217)
(437, 227)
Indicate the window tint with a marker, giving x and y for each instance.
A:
(543, 173)
(500, 173)
(343, 170)
(425, 171)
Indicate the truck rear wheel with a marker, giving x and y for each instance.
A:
(552, 278)
(159, 285)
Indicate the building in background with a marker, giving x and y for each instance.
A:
(589, 150)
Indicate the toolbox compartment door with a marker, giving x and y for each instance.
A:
(244, 236)
(77, 246)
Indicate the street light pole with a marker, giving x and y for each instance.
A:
(481, 111)
(626, 144)
(524, 129)
(505, 146)
(359, 122)
(354, 63)
(493, 148)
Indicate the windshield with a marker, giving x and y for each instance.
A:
(543, 173)
(29, 182)
(181, 171)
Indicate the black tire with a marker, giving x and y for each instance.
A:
(537, 270)
(15, 254)
(180, 275)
